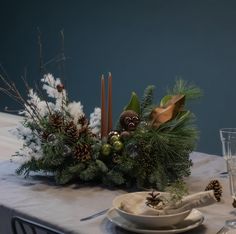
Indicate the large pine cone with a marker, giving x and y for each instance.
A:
(216, 186)
(82, 152)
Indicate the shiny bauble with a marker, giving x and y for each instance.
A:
(132, 150)
(118, 146)
(66, 150)
(125, 135)
(114, 138)
(112, 133)
(51, 138)
(106, 149)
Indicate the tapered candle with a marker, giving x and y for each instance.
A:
(103, 108)
(109, 102)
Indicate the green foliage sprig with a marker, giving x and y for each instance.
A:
(177, 191)
(190, 91)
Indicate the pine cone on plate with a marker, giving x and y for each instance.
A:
(153, 199)
(216, 186)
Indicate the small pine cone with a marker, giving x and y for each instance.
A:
(45, 135)
(71, 131)
(82, 153)
(56, 120)
(83, 121)
(153, 199)
(234, 203)
(216, 186)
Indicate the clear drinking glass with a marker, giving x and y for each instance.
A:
(228, 140)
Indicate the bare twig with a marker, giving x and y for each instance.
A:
(41, 65)
(62, 57)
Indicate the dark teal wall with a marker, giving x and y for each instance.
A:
(140, 42)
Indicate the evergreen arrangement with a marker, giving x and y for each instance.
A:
(149, 148)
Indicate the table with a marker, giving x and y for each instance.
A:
(62, 207)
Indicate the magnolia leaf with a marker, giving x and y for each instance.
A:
(134, 104)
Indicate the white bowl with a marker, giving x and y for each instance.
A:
(148, 221)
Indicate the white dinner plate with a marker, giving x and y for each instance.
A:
(194, 219)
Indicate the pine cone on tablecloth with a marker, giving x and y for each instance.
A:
(82, 152)
(216, 186)
(234, 203)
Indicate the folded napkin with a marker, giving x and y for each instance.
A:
(136, 204)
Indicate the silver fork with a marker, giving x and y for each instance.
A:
(94, 215)
(220, 231)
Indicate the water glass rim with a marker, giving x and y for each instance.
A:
(228, 130)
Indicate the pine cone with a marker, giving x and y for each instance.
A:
(153, 200)
(82, 152)
(84, 124)
(56, 120)
(45, 135)
(234, 203)
(71, 131)
(216, 186)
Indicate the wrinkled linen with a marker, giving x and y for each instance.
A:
(136, 204)
(59, 207)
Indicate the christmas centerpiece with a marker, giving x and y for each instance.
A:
(149, 147)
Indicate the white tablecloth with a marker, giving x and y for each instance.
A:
(62, 207)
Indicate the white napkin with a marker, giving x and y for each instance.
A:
(136, 204)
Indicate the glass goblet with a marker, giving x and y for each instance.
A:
(228, 140)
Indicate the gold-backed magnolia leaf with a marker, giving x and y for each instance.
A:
(169, 111)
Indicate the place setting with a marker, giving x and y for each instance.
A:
(163, 212)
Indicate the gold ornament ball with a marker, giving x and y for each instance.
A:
(114, 138)
(118, 146)
(106, 149)
(112, 133)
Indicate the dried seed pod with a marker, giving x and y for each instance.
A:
(129, 120)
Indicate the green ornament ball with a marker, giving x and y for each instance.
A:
(114, 138)
(106, 149)
(117, 146)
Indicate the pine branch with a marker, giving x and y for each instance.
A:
(147, 99)
(69, 173)
(114, 178)
(189, 90)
